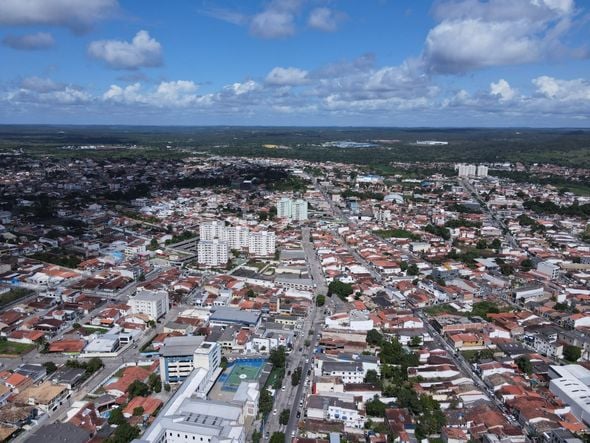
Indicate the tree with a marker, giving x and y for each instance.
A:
(413, 269)
(375, 407)
(167, 387)
(278, 357)
(93, 365)
(256, 436)
(374, 337)
(372, 377)
(151, 323)
(481, 244)
(153, 244)
(320, 300)
(123, 434)
(572, 353)
(77, 326)
(284, 417)
(250, 293)
(496, 244)
(50, 367)
(342, 290)
(116, 417)
(224, 362)
(526, 265)
(265, 402)
(416, 341)
(296, 376)
(138, 411)
(138, 389)
(155, 383)
(277, 437)
(524, 364)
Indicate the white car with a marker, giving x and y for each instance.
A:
(274, 412)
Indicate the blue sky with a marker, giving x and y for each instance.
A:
(296, 62)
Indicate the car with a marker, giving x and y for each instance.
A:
(307, 360)
(292, 433)
(283, 388)
(298, 414)
(274, 412)
(300, 349)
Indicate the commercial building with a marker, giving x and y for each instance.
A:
(213, 252)
(179, 356)
(571, 384)
(189, 417)
(548, 269)
(155, 304)
(224, 316)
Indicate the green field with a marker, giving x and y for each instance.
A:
(11, 348)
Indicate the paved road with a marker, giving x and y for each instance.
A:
(292, 396)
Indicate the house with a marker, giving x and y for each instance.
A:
(46, 396)
(149, 405)
(87, 418)
(130, 374)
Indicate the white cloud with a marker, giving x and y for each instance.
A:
(563, 90)
(325, 19)
(36, 90)
(178, 93)
(286, 76)
(142, 51)
(474, 34)
(242, 88)
(78, 15)
(273, 24)
(502, 89)
(29, 42)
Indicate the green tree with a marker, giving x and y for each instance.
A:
(277, 437)
(374, 337)
(572, 353)
(123, 434)
(320, 300)
(284, 417)
(413, 269)
(138, 389)
(524, 364)
(481, 244)
(167, 387)
(278, 357)
(342, 290)
(155, 383)
(50, 367)
(224, 362)
(296, 376)
(116, 417)
(375, 407)
(372, 377)
(265, 402)
(93, 365)
(256, 436)
(138, 411)
(415, 341)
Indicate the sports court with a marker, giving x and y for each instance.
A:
(242, 370)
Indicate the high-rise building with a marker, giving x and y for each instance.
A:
(284, 209)
(262, 243)
(482, 171)
(292, 209)
(212, 230)
(212, 252)
(465, 170)
(155, 304)
(237, 237)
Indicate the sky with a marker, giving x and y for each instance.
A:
(457, 63)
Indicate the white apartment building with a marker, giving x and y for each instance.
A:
(465, 170)
(262, 244)
(292, 209)
(155, 304)
(482, 171)
(212, 252)
(237, 237)
(212, 230)
(548, 269)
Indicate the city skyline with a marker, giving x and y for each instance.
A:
(295, 62)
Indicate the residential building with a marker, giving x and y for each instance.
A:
(155, 304)
(262, 243)
(213, 253)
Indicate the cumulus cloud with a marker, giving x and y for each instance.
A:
(36, 90)
(29, 42)
(242, 88)
(273, 24)
(77, 15)
(325, 19)
(178, 93)
(142, 51)
(563, 90)
(286, 76)
(502, 89)
(474, 34)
